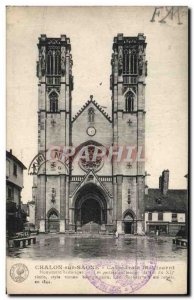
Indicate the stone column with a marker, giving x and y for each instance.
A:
(67, 205)
(109, 217)
(119, 204)
(140, 230)
(71, 224)
(62, 203)
(42, 226)
(42, 203)
(114, 200)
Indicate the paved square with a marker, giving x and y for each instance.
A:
(95, 246)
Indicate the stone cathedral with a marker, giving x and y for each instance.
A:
(98, 195)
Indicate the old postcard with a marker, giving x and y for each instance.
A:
(97, 150)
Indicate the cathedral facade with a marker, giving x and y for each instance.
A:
(105, 194)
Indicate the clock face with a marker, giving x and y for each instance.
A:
(91, 131)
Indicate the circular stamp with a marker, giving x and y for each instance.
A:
(19, 272)
(120, 276)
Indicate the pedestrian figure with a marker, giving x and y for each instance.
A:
(116, 235)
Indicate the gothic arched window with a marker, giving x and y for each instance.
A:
(57, 62)
(53, 102)
(50, 63)
(133, 63)
(53, 214)
(53, 62)
(91, 114)
(129, 61)
(126, 62)
(129, 102)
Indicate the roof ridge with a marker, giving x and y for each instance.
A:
(91, 100)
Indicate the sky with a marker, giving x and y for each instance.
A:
(91, 31)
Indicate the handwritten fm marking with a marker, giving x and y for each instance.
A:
(164, 12)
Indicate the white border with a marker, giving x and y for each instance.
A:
(3, 4)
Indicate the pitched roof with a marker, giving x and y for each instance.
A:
(174, 200)
(11, 156)
(96, 105)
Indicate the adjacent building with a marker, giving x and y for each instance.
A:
(165, 209)
(14, 186)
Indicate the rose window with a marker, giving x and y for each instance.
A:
(92, 159)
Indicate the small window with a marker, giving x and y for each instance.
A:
(174, 218)
(91, 114)
(7, 168)
(129, 196)
(53, 105)
(53, 102)
(9, 192)
(160, 216)
(133, 63)
(15, 169)
(149, 216)
(129, 102)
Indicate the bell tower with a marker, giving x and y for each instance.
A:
(54, 72)
(127, 82)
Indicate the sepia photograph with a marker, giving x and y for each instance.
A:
(97, 150)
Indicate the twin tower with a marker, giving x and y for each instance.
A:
(105, 194)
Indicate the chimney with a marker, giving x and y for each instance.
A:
(10, 151)
(164, 181)
(160, 182)
(146, 186)
(146, 190)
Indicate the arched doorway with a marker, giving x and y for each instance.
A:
(90, 212)
(53, 221)
(129, 222)
(90, 208)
